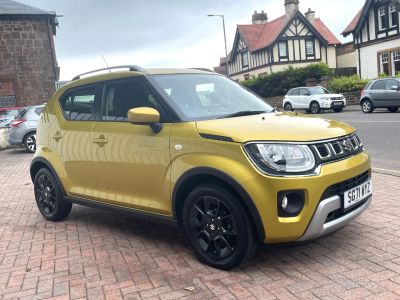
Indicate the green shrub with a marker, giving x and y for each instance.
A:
(280, 83)
(347, 84)
(384, 75)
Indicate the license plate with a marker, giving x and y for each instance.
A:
(357, 194)
(337, 103)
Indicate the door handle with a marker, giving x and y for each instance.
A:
(101, 140)
(57, 136)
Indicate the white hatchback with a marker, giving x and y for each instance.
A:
(313, 99)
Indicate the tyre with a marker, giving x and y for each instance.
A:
(288, 107)
(338, 109)
(218, 227)
(367, 106)
(49, 197)
(393, 109)
(315, 108)
(30, 142)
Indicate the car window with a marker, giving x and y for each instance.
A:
(78, 105)
(290, 93)
(296, 92)
(379, 85)
(38, 110)
(391, 83)
(119, 97)
(304, 92)
(319, 90)
(9, 113)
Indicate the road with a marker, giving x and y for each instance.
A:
(380, 133)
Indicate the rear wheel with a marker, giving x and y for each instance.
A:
(49, 197)
(219, 230)
(288, 107)
(367, 106)
(315, 108)
(30, 142)
(393, 109)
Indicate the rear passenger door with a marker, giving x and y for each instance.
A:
(295, 98)
(304, 98)
(78, 106)
(378, 93)
(392, 95)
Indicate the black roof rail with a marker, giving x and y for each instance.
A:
(132, 68)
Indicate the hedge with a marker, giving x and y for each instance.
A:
(280, 83)
(347, 84)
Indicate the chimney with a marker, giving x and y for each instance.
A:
(310, 15)
(260, 18)
(291, 7)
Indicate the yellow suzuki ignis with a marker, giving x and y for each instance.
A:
(194, 149)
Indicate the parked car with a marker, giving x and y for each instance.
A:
(23, 128)
(313, 99)
(227, 167)
(8, 114)
(381, 93)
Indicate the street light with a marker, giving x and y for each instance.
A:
(223, 24)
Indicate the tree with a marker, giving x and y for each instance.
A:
(397, 4)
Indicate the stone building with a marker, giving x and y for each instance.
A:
(28, 64)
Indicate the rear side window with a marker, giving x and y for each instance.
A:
(368, 85)
(304, 92)
(379, 85)
(290, 93)
(295, 92)
(38, 110)
(392, 83)
(78, 105)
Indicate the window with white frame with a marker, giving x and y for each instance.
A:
(385, 63)
(393, 16)
(245, 60)
(382, 18)
(283, 50)
(396, 62)
(310, 48)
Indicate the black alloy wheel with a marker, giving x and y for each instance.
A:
(315, 108)
(30, 142)
(288, 107)
(218, 228)
(49, 198)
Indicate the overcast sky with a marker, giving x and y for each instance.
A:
(164, 33)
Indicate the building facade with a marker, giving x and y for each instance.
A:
(28, 64)
(376, 37)
(294, 39)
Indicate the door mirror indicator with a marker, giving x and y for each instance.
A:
(145, 116)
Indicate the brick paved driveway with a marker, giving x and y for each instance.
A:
(98, 255)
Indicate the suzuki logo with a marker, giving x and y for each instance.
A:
(347, 146)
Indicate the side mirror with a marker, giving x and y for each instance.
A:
(395, 88)
(145, 116)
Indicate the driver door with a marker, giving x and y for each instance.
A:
(131, 161)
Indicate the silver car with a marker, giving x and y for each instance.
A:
(23, 128)
(8, 114)
(381, 93)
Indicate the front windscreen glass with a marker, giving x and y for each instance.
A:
(208, 96)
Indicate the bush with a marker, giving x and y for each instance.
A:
(280, 83)
(347, 84)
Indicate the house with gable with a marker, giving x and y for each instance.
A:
(294, 39)
(376, 37)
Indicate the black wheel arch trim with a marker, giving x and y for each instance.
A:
(206, 171)
(45, 162)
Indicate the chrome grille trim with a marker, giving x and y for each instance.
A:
(339, 148)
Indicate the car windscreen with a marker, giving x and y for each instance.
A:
(209, 96)
(318, 90)
(9, 113)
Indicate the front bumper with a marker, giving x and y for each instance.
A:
(319, 227)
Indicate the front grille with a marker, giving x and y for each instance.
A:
(338, 149)
(340, 188)
(337, 98)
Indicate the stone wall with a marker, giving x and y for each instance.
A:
(27, 61)
(353, 98)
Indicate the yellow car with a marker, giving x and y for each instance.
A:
(192, 148)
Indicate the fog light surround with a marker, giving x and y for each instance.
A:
(290, 203)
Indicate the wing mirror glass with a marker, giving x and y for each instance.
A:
(145, 116)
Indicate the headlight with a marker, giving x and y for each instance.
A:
(325, 98)
(277, 158)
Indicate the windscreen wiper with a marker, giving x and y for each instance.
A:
(244, 113)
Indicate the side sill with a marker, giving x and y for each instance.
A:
(128, 211)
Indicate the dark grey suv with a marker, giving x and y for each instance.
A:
(381, 93)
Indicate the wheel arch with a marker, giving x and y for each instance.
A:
(39, 163)
(201, 175)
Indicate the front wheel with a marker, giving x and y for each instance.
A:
(393, 109)
(30, 142)
(315, 108)
(288, 107)
(49, 197)
(218, 227)
(338, 109)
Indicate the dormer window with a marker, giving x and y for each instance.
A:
(245, 60)
(382, 18)
(283, 50)
(393, 16)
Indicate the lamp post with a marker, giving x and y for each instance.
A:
(223, 24)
